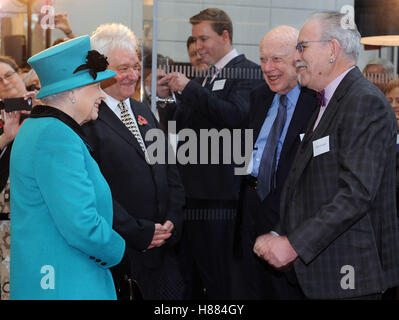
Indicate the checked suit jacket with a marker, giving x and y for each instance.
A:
(143, 195)
(338, 208)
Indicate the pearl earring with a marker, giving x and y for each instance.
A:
(331, 60)
(73, 100)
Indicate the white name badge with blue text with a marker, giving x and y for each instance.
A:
(218, 85)
(321, 146)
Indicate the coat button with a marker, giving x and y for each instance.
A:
(103, 263)
(98, 260)
(92, 258)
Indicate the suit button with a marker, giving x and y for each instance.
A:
(92, 258)
(103, 263)
(98, 260)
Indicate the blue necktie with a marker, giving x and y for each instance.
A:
(269, 156)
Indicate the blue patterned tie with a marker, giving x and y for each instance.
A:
(269, 155)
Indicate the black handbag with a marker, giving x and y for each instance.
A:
(126, 286)
(128, 289)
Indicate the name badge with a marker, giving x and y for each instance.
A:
(321, 146)
(218, 85)
(397, 139)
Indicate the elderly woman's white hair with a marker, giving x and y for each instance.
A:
(333, 27)
(107, 37)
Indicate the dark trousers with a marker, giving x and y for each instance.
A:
(259, 281)
(205, 250)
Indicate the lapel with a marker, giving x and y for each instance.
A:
(226, 72)
(109, 118)
(306, 146)
(261, 108)
(304, 108)
(140, 110)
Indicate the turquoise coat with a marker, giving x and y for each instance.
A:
(62, 242)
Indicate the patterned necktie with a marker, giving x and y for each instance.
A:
(131, 125)
(321, 102)
(321, 99)
(267, 167)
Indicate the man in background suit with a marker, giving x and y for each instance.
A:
(148, 199)
(277, 129)
(339, 225)
(218, 101)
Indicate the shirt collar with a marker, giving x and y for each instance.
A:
(113, 103)
(333, 85)
(226, 59)
(292, 95)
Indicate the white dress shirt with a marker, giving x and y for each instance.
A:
(112, 103)
(222, 63)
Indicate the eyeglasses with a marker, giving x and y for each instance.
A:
(7, 76)
(300, 45)
(124, 69)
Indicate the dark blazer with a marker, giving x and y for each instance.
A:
(338, 208)
(201, 108)
(265, 215)
(5, 166)
(143, 194)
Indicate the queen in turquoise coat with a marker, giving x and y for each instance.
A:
(62, 241)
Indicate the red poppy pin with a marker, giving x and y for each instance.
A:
(141, 120)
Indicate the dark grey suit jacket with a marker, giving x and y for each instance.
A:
(338, 209)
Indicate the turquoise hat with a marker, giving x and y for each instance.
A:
(69, 65)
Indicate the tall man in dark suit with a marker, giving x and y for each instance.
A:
(218, 101)
(338, 225)
(279, 113)
(148, 199)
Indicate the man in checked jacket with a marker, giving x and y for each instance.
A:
(338, 222)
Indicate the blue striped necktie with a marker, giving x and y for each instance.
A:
(266, 176)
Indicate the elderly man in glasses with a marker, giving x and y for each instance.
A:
(339, 226)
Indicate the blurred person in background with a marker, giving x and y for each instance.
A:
(379, 71)
(31, 81)
(11, 86)
(391, 91)
(62, 23)
(193, 54)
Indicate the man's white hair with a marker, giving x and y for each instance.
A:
(387, 65)
(108, 37)
(333, 28)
